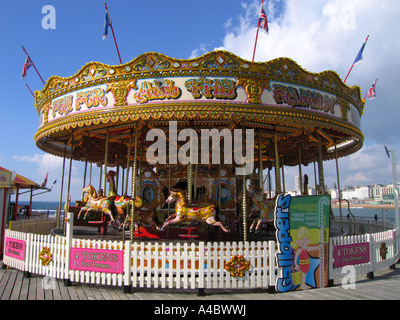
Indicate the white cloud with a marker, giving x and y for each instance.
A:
(327, 35)
(45, 162)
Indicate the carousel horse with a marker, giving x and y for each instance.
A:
(95, 203)
(262, 207)
(141, 217)
(123, 205)
(185, 214)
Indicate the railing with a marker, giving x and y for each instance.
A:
(39, 225)
(363, 226)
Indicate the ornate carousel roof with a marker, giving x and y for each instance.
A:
(277, 98)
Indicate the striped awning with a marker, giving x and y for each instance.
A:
(7, 180)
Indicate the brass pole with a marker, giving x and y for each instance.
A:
(106, 163)
(278, 189)
(128, 163)
(320, 167)
(300, 173)
(69, 179)
(244, 206)
(84, 177)
(133, 187)
(260, 166)
(61, 190)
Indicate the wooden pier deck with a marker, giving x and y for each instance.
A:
(14, 286)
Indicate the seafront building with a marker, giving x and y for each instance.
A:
(373, 194)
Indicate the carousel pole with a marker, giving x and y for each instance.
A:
(62, 187)
(278, 189)
(219, 186)
(90, 174)
(100, 175)
(320, 167)
(122, 181)
(133, 186)
(139, 174)
(244, 210)
(66, 208)
(338, 185)
(106, 163)
(84, 178)
(117, 179)
(244, 205)
(283, 175)
(189, 173)
(260, 166)
(128, 163)
(300, 173)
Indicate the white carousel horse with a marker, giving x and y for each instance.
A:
(185, 214)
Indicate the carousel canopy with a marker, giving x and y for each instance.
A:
(278, 99)
(8, 180)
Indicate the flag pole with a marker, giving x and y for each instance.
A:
(353, 62)
(34, 65)
(368, 90)
(112, 30)
(255, 44)
(258, 28)
(30, 90)
(348, 73)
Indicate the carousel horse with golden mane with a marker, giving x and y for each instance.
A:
(96, 203)
(185, 214)
(262, 208)
(113, 205)
(123, 205)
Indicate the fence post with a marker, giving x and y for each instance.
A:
(68, 235)
(393, 238)
(271, 267)
(331, 281)
(201, 291)
(27, 239)
(127, 288)
(372, 255)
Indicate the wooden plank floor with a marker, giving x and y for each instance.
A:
(14, 286)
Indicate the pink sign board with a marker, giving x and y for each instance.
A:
(14, 248)
(351, 254)
(96, 260)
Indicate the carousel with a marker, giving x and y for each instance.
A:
(183, 145)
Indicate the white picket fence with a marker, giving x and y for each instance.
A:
(153, 264)
(186, 265)
(383, 252)
(202, 265)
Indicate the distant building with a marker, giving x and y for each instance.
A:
(380, 193)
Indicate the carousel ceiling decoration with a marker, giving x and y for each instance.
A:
(217, 90)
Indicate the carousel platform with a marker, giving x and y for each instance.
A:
(173, 234)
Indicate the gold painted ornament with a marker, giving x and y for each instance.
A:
(45, 256)
(237, 266)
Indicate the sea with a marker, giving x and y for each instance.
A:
(376, 214)
(43, 207)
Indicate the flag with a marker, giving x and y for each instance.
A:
(107, 23)
(45, 181)
(371, 92)
(360, 53)
(262, 20)
(28, 63)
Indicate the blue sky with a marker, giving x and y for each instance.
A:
(318, 34)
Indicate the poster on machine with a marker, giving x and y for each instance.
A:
(302, 232)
